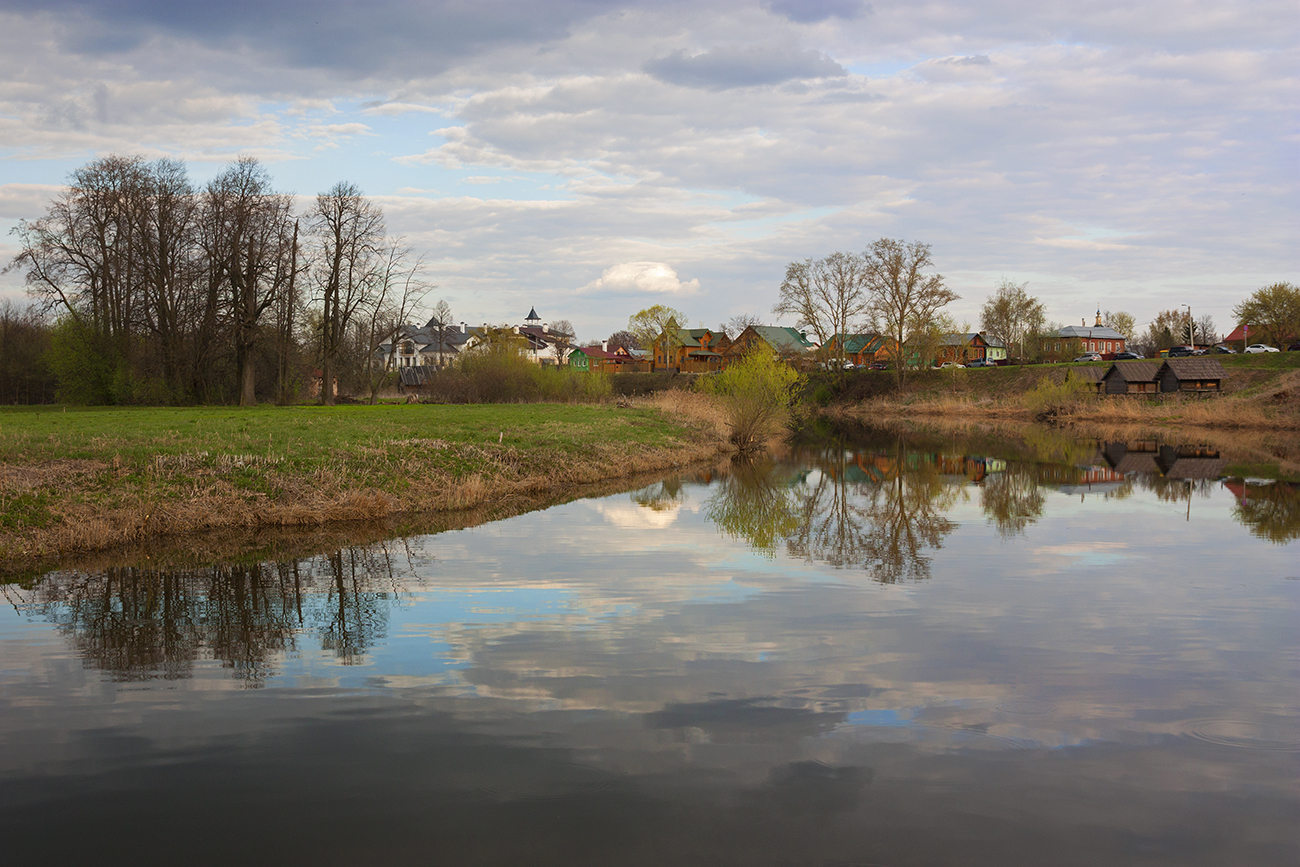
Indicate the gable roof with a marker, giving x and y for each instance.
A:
(855, 343)
(782, 338)
(1090, 332)
(1087, 374)
(1134, 371)
(1196, 367)
(959, 339)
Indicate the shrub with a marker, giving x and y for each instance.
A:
(756, 393)
(1050, 400)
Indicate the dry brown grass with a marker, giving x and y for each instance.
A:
(1272, 404)
(95, 507)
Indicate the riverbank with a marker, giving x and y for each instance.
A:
(86, 479)
(1262, 392)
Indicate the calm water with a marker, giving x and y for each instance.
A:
(877, 653)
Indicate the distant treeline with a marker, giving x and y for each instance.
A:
(149, 289)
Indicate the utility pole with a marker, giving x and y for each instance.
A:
(1191, 334)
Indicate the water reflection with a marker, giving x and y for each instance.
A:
(140, 623)
(739, 665)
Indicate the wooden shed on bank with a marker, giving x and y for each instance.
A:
(1197, 375)
(1132, 377)
(1091, 375)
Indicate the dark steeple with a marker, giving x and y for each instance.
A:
(532, 316)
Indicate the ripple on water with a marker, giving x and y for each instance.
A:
(559, 781)
(1267, 736)
(1026, 706)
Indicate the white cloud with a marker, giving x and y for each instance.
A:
(632, 278)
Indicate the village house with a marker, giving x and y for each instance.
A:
(600, 357)
(993, 349)
(864, 349)
(435, 344)
(535, 340)
(961, 348)
(788, 343)
(688, 350)
(1074, 340)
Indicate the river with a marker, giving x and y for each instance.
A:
(882, 650)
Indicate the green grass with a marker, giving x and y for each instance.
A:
(142, 468)
(305, 437)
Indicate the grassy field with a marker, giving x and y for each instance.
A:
(88, 478)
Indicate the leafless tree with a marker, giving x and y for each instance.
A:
(828, 296)
(1011, 315)
(348, 231)
(256, 256)
(903, 298)
(398, 292)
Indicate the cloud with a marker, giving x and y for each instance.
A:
(641, 277)
(812, 11)
(742, 66)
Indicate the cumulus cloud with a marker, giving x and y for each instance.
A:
(632, 278)
(742, 66)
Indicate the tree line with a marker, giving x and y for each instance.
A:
(156, 290)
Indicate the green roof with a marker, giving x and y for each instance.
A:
(783, 339)
(855, 343)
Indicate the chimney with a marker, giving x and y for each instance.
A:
(1083, 323)
(604, 346)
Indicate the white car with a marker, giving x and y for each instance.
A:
(1256, 348)
(951, 365)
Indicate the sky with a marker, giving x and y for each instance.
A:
(590, 158)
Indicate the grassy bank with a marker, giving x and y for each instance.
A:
(79, 479)
(1261, 392)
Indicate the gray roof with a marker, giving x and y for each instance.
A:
(1134, 371)
(1090, 332)
(1197, 367)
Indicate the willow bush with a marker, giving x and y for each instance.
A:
(756, 393)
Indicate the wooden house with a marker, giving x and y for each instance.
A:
(863, 349)
(1132, 377)
(689, 350)
(788, 343)
(961, 348)
(1196, 375)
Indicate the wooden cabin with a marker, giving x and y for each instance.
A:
(1196, 375)
(1132, 377)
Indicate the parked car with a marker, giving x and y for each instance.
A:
(1225, 350)
(880, 365)
(1128, 356)
(1294, 347)
(1184, 351)
(951, 365)
(1089, 356)
(980, 362)
(1257, 348)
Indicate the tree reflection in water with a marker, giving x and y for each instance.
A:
(1270, 511)
(1013, 499)
(140, 623)
(876, 510)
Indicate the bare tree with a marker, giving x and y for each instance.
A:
(625, 339)
(255, 257)
(738, 323)
(1011, 315)
(828, 296)
(903, 298)
(348, 265)
(1121, 322)
(398, 291)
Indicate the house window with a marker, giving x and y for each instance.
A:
(408, 348)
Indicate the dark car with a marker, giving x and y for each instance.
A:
(879, 365)
(980, 362)
(1183, 351)
(1225, 350)
(1294, 347)
(1128, 356)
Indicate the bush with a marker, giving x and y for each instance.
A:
(1050, 400)
(501, 374)
(756, 393)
